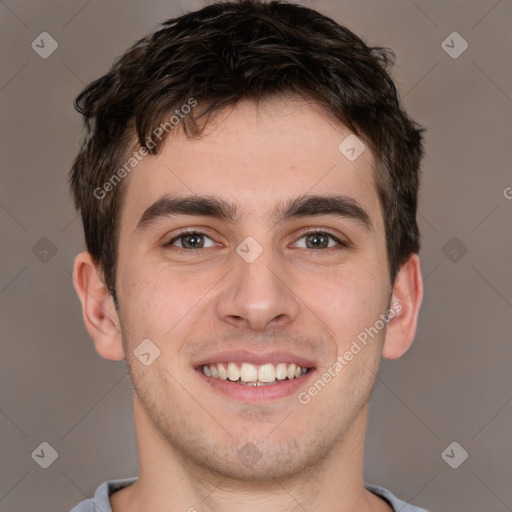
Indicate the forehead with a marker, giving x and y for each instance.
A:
(257, 157)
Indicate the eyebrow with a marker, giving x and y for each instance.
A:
(215, 207)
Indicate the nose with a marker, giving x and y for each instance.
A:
(258, 295)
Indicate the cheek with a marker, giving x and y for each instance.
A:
(159, 299)
(348, 302)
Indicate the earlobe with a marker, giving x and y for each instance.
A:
(99, 313)
(405, 301)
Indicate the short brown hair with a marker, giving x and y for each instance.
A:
(225, 53)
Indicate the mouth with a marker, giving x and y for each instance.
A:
(247, 374)
(255, 378)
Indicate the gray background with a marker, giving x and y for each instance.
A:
(453, 385)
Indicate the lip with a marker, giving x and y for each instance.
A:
(257, 394)
(256, 358)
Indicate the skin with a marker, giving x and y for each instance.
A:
(314, 301)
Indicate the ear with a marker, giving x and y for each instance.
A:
(100, 316)
(405, 301)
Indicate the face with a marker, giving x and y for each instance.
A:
(279, 278)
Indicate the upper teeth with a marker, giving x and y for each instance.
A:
(248, 372)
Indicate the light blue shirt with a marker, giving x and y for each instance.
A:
(101, 502)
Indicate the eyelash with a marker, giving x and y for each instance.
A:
(304, 234)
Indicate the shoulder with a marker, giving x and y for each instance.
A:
(101, 501)
(397, 504)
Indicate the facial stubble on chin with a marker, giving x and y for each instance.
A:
(187, 441)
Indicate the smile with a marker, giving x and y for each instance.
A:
(248, 374)
(255, 377)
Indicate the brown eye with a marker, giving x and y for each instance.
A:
(320, 240)
(190, 240)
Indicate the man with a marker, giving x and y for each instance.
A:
(248, 189)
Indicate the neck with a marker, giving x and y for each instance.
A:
(170, 481)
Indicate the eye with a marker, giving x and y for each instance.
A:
(191, 240)
(320, 240)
